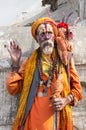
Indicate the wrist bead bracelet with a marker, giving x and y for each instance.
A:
(71, 97)
(14, 68)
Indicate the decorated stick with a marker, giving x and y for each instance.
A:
(56, 89)
(55, 120)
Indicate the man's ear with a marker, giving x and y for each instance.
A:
(37, 38)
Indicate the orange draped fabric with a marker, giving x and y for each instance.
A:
(41, 115)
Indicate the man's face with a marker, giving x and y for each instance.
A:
(45, 38)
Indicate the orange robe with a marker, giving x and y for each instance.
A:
(41, 116)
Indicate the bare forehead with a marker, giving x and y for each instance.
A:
(44, 27)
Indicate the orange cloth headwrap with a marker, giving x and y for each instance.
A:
(43, 20)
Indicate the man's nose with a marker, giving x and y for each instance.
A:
(47, 36)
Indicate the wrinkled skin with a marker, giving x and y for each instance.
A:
(15, 52)
(45, 38)
(59, 103)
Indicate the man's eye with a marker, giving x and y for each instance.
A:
(43, 33)
(49, 32)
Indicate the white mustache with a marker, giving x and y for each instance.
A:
(47, 43)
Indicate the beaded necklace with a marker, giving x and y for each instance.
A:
(47, 83)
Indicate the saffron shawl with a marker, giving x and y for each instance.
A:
(29, 72)
(65, 116)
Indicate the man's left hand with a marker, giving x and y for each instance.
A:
(60, 103)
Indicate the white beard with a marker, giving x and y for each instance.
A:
(47, 50)
(47, 47)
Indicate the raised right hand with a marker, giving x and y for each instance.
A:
(15, 52)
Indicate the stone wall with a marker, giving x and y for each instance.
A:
(77, 5)
(8, 103)
(77, 8)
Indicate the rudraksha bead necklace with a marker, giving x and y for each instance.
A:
(47, 83)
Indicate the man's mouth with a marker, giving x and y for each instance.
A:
(47, 44)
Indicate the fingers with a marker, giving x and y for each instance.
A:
(58, 108)
(58, 103)
(18, 47)
(12, 46)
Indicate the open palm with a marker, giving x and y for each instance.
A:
(15, 52)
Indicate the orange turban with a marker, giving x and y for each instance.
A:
(43, 20)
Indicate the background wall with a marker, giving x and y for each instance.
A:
(19, 14)
(8, 103)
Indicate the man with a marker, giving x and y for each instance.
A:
(42, 81)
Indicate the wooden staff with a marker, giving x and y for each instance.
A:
(57, 93)
(55, 120)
